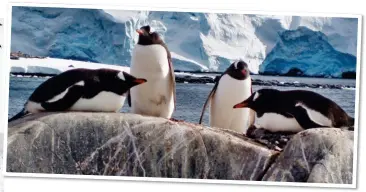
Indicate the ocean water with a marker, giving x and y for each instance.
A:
(191, 97)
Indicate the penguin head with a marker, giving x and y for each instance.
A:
(128, 80)
(144, 30)
(116, 81)
(258, 100)
(146, 37)
(239, 70)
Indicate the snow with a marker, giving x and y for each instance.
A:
(349, 88)
(198, 41)
(308, 51)
(54, 66)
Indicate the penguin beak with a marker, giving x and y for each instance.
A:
(241, 105)
(140, 81)
(139, 31)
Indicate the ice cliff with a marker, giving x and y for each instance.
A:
(198, 41)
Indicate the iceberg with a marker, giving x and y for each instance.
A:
(303, 52)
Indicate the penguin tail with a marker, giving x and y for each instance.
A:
(351, 124)
(19, 115)
(351, 121)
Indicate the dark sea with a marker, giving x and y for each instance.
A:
(191, 97)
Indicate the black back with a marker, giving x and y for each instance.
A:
(283, 102)
(95, 81)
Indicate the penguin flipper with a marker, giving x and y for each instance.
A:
(212, 93)
(71, 97)
(251, 86)
(302, 117)
(129, 98)
(173, 85)
(19, 115)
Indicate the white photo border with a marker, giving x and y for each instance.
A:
(5, 88)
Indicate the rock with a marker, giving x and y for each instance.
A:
(315, 155)
(14, 57)
(122, 144)
(349, 75)
(131, 145)
(294, 72)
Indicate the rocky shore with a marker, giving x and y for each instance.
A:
(17, 55)
(122, 144)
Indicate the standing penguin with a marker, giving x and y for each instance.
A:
(294, 111)
(100, 90)
(151, 59)
(233, 85)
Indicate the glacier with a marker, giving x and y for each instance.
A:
(198, 41)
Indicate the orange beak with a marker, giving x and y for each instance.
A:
(241, 105)
(139, 31)
(140, 81)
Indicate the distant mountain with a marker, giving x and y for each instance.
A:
(198, 41)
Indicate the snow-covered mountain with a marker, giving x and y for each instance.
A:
(198, 41)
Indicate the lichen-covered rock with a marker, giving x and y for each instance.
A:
(131, 145)
(317, 156)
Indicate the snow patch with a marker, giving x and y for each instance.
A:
(54, 66)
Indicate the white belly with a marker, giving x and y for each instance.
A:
(275, 122)
(103, 102)
(230, 92)
(155, 97)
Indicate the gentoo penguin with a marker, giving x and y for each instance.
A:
(294, 111)
(151, 59)
(233, 85)
(99, 90)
